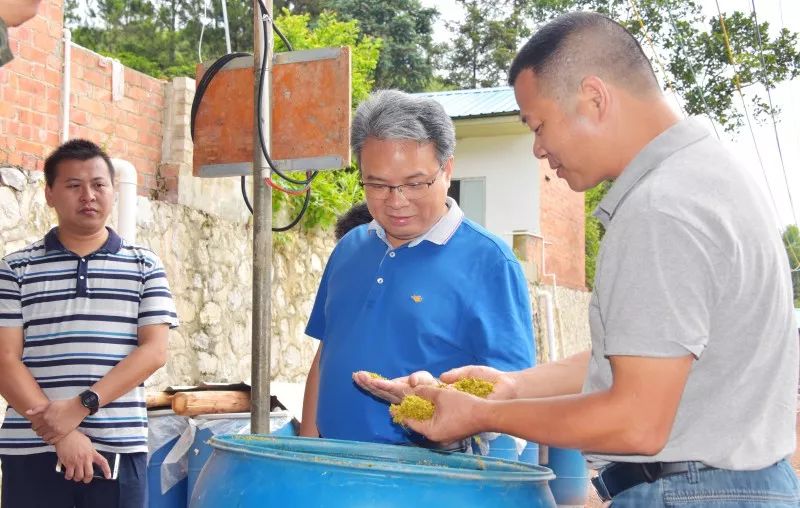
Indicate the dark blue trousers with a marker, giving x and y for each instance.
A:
(31, 481)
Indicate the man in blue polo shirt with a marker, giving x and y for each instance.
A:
(419, 287)
(84, 319)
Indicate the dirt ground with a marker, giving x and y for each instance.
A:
(594, 501)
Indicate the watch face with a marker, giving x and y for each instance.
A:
(89, 400)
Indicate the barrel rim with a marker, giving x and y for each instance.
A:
(525, 473)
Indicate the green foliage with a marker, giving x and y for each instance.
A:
(483, 44)
(791, 240)
(594, 229)
(334, 192)
(406, 29)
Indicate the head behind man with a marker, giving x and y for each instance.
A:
(588, 92)
(79, 181)
(404, 147)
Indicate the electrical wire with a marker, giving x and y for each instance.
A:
(738, 84)
(280, 229)
(772, 114)
(652, 45)
(261, 138)
(681, 42)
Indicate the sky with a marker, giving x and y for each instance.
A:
(773, 183)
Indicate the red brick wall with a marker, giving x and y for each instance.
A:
(562, 220)
(30, 104)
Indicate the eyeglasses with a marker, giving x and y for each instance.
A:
(414, 190)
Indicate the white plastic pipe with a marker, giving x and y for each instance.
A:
(546, 303)
(225, 23)
(126, 218)
(65, 85)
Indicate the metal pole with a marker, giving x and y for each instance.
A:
(227, 28)
(262, 231)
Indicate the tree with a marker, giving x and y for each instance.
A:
(791, 240)
(594, 229)
(484, 45)
(406, 29)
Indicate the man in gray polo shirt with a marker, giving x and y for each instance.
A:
(687, 397)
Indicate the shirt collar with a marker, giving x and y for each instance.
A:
(440, 233)
(677, 137)
(112, 245)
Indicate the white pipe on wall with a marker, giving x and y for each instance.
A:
(127, 181)
(65, 85)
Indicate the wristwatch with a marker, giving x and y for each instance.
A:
(90, 401)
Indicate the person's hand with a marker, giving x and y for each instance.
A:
(456, 414)
(76, 454)
(505, 387)
(393, 390)
(56, 419)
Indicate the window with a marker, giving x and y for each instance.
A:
(470, 194)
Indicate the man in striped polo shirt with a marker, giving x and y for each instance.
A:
(84, 320)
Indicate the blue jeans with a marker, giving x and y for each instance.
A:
(31, 481)
(774, 487)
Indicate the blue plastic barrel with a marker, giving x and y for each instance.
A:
(249, 471)
(571, 484)
(200, 450)
(175, 497)
(233, 423)
(503, 447)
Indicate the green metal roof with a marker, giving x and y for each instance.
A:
(476, 103)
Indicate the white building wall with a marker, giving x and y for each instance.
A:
(512, 180)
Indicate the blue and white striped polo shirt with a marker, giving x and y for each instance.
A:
(80, 317)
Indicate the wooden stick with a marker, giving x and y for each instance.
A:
(159, 399)
(210, 402)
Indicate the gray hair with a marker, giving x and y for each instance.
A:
(396, 115)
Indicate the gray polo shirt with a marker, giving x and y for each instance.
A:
(5, 51)
(692, 263)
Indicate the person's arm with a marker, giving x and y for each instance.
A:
(563, 377)
(22, 392)
(308, 424)
(634, 416)
(60, 417)
(17, 384)
(16, 12)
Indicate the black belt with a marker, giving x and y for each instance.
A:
(620, 476)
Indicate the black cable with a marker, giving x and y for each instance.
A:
(212, 71)
(294, 221)
(262, 74)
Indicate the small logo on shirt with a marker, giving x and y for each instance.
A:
(416, 298)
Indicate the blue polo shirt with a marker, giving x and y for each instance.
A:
(454, 297)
